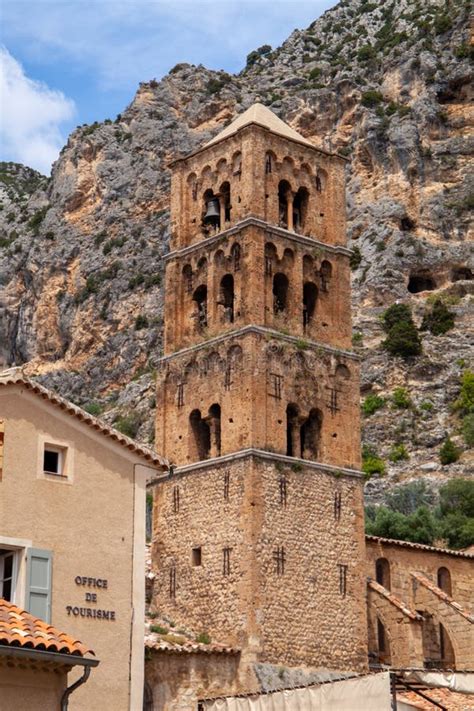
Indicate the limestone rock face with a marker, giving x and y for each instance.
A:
(385, 84)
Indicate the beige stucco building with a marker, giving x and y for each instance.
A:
(72, 533)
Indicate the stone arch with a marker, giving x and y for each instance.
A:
(431, 614)
(342, 372)
(237, 163)
(310, 435)
(221, 166)
(392, 636)
(235, 254)
(200, 308)
(306, 169)
(443, 577)
(214, 362)
(211, 212)
(321, 180)
(292, 430)
(300, 208)
(226, 298)
(270, 162)
(192, 182)
(288, 164)
(280, 292)
(308, 267)
(310, 298)
(214, 424)
(202, 265)
(200, 435)
(325, 274)
(285, 205)
(188, 278)
(382, 572)
(225, 202)
(219, 258)
(234, 356)
(288, 257)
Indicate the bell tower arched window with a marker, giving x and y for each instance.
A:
(226, 298)
(214, 423)
(310, 297)
(280, 292)
(200, 311)
(285, 205)
(310, 435)
(225, 203)
(201, 434)
(211, 210)
(292, 431)
(300, 209)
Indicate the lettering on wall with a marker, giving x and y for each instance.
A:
(94, 613)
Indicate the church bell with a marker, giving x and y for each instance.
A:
(213, 212)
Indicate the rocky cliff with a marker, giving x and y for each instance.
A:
(387, 85)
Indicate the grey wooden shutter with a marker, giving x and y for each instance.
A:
(38, 583)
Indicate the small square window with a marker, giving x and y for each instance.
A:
(196, 556)
(53, 460)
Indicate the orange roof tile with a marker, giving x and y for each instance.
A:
(14, 376)
(451, 700)
(373, 585)
(423, 580)
(19, 628)
(419, 546)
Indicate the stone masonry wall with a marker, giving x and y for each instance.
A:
(306, 608)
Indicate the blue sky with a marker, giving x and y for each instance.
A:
(68, 62)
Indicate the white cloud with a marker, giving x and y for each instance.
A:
(32, 114)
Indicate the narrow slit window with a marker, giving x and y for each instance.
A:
(283, 490)
(176, 499)
(342, 579)
(196, 556)
(337, 505)
(226, 486)
(226, 561)
(180, 394)
(173, 582)
(276, 381)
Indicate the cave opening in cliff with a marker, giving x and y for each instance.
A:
(421, 281)
(407, 224)
(461, 274)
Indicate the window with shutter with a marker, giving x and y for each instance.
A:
(38, 583)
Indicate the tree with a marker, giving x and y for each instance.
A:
(465, 401)
(439, 320)
(457, 496)
(449, 453)
(407, 498)
(402, 335)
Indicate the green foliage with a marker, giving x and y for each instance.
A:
(257, 53)
(366, 52)
(407, 498)
(426, 405)
(402, 335)
(115, 242)
(203, 638)
(35, 221)
(371, 98)
(99, 238)
(158, 629)
(457, 496)
(449, 453)
(128, 424)
(356, 257)
(141, 322)
(401, 399)
(419, 527)
(464, 51)
(465, 401)
(314, 73)
(371, 404)
(88, 130)
(398, 453)
(442, 23)
(371, 462)
(468, 430)
(438, 320)
(93, 408)
(357, 338)
(214, 85)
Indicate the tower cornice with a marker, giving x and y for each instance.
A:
(270, 229)
(295, 462)
(263, 331)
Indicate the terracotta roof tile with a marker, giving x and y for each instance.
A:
(418, 546)
(393, 599)
(451, 700)
(14, 376)
(19, 628)
(179, 641)
(427, 583)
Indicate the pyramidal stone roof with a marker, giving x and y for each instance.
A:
(261, 115)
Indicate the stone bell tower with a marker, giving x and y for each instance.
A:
(259, 530)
